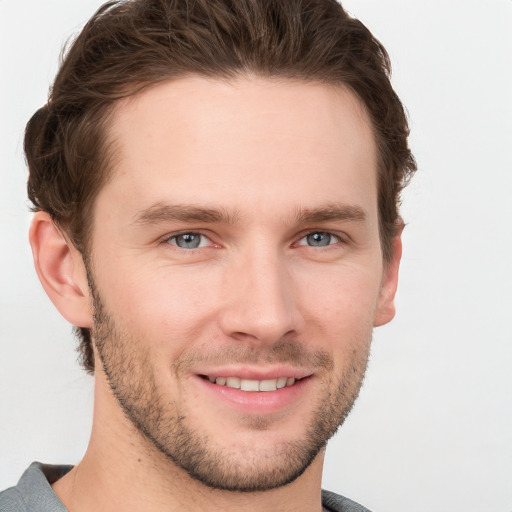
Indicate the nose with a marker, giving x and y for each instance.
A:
(260, 303)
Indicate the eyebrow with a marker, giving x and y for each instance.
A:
(331, 212)
(163, 212)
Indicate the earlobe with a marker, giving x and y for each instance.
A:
(386, 302)
(61, 270)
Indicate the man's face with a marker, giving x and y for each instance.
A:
(237, 245)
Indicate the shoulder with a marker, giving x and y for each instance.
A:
(12, 501)
(336, 503)
(34, 493)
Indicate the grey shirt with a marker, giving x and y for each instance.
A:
(34, 493)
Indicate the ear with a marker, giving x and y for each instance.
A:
(61, 270)
(386, 301)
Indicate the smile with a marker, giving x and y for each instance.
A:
(253, 385)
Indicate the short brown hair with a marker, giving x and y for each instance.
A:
(129, 45)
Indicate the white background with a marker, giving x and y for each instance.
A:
(432, 430)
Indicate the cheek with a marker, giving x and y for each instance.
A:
(162, 305)
(341, 298)
(173, 308)
(338, 316)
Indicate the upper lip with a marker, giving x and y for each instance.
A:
(256, 373)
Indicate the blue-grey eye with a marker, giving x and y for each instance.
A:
(319, 239)
(188, 240)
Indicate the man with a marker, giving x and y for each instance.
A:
(216, 187)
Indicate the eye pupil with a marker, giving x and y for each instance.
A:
(319, 239)
(188, 241)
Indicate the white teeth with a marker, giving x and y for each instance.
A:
(249, 385)
(253, 385)
(268, 385)
(233, 382)
(281, 382)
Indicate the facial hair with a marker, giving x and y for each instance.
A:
(165, 424)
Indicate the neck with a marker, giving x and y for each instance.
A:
(122, 467)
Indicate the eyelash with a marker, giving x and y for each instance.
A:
(337, 239)
(168, 239)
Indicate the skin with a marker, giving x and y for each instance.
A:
(273, 162)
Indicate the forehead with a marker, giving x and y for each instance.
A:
(248, 141)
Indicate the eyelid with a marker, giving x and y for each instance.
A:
(168, 237)
(341, 237)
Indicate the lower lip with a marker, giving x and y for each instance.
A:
(258, 402)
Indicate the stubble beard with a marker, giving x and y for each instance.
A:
(249, 468)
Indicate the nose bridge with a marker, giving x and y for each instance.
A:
(261, 304)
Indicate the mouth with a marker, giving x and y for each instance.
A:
(256, 391)
(251, 384)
